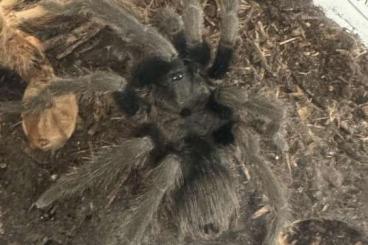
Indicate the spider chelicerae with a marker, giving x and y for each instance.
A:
(188, 129)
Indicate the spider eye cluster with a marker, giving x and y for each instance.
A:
(177, 76)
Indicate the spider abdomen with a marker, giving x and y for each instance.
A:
(207, 201)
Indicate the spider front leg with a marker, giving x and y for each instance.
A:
(197, 49)
(130, 226)
(264, 116)
(229, 34)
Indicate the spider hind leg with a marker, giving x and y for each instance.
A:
(111, 164)
(130, 226)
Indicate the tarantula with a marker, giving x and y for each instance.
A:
(188, 130)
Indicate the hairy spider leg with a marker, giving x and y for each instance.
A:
(229, 34)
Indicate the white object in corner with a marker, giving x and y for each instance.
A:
(351, 14)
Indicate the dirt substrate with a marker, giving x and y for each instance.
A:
(288, 50)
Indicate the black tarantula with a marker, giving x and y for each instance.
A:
(189, 131)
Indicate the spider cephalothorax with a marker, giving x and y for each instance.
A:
(187, 130)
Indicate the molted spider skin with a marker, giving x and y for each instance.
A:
(50, 129)
(50, 111)
(86, 85)
(187, 131)
(49, 118)
(15, 42)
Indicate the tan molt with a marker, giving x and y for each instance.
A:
(49, 129)
(18, 53)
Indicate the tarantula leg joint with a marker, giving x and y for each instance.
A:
(222, 62)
